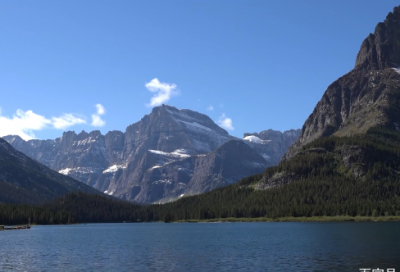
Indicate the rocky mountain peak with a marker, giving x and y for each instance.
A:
(83, 134)
(381, 49)
(69, 134)
(167, 128)
(14, 139)
(185, 116)
(366, 97)
(95, 134)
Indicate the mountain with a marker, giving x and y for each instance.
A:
(198, 174)
(24, 180)
(168, 154)
(353, 132)
(272, 144)
(366, 97)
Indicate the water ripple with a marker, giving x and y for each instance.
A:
(203, 247)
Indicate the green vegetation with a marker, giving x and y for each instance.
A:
(11, 193)
(331, 179)
(72, 208)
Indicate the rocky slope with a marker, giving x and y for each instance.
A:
(367, 96)
(24, 180)
(195, 174)
(168, 154)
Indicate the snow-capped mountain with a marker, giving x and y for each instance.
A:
(168, 154)
(272, 144)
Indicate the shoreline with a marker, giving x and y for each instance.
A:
(304, 219)
(14, 227)
(297, 219)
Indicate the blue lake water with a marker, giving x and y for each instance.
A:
(203, 247)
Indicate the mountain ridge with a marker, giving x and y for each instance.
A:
(381, 50)
(24, 180)
(128, 164)
(365, 97)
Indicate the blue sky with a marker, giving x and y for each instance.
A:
(85, 65)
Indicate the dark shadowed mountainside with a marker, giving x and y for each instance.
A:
(24, 180)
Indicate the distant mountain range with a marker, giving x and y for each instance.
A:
(168, 154)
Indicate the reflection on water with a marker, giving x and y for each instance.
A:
(203, 247)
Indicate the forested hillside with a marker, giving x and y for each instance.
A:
(325, 186)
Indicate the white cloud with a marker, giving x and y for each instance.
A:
(225, 122)
(66, 120)
(163, 92)
(25, 123)
(96, 119)
(100, 109)
(210, 108)
(22, 124)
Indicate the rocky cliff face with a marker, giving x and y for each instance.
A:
(381, 49)
(196, 174)
(365, 97)
(23, 180)
(168, 154)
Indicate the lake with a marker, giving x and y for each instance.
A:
(203, 247)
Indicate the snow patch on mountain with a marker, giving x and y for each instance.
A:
(65, 171)
(167, 181)
(84, 142)
(114, 168)
(179, 153)
(253, 139)
(265, 156)
(169, 157)
(198, 126)
(155, 167)
(178, 115)
(82, 170)
(195, 126)
(256, 164)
